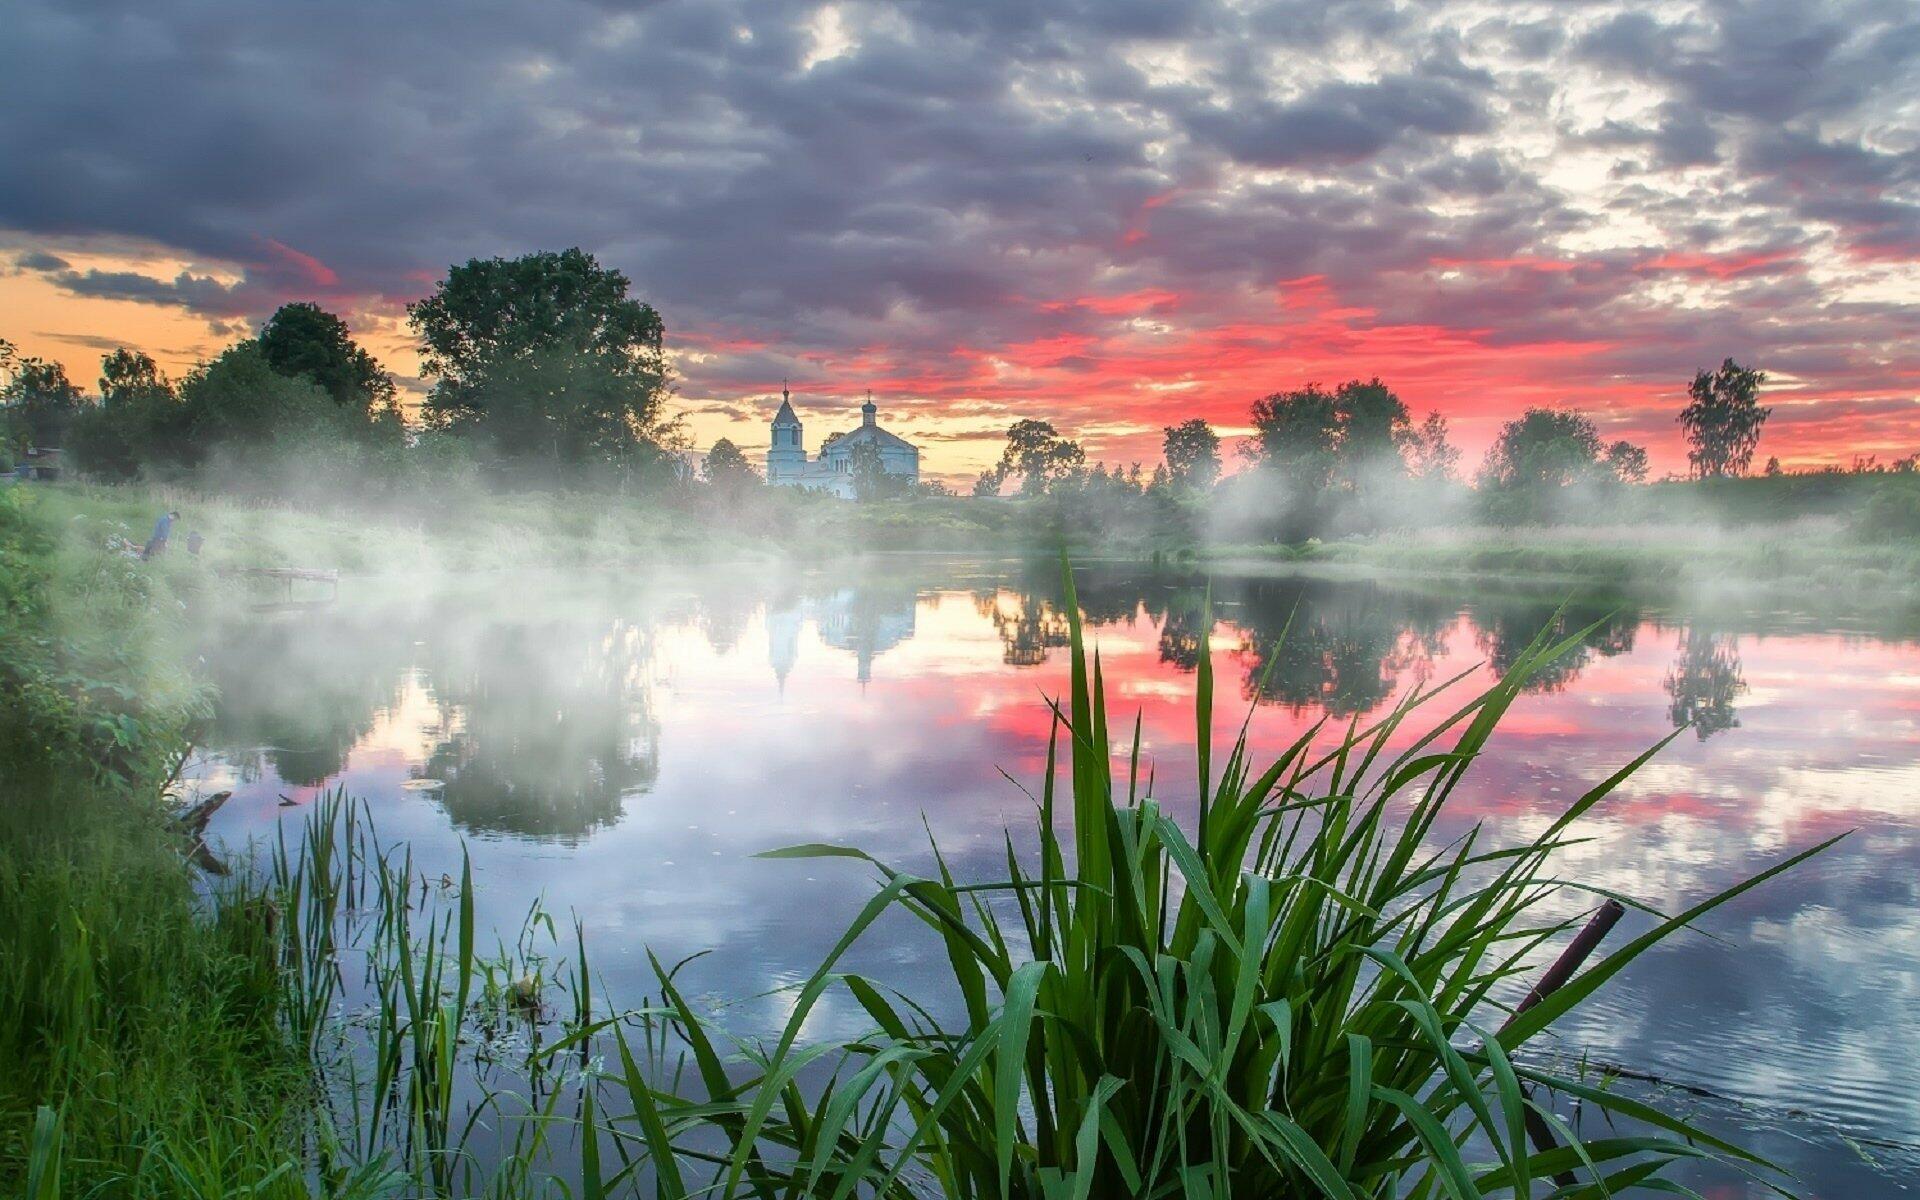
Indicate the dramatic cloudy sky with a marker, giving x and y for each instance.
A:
(1110, 213)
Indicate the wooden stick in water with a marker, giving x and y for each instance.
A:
(1570, 960)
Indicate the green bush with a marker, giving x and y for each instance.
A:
(1893, 511)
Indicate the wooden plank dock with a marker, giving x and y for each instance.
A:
(290, 576)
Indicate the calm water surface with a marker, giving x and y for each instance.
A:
(619, 747)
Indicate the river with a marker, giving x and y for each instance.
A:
(619, 747)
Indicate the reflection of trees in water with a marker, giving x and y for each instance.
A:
(1505, 628)
(1704, 681)
(297, 692)
(1181, 627)
(1031, 618)
(551, 728)
(1028, 623)
(723, 610)
(1342, 648)
(1348, 648)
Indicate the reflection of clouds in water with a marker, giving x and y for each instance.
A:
(633, 758)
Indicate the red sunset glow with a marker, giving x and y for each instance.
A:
(1487, 212)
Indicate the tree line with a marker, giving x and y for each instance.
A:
(542, 361)
(1323, 459)
(545, 365)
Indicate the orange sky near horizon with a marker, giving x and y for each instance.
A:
(1112, 216)
(1112, 393)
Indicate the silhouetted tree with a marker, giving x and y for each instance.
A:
(727, 468)
(1722, 420)
(136, 420)
(1373, 429)
(546, 355)
(1296, 435)
(871, 479)
(40, 402)
(305, 340)
(1627, 461)
(1192, 453)
(1431, 456)
(1543, 453)
(131, 376)
(1037, 453)
(1543, 448)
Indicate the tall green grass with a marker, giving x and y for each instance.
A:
(141, 1048)
(1301, 996)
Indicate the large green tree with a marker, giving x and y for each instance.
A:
(1374, 429)
(1192, 453)
(1037, 453)
(136, 414)
(546, 355)
(1431, 455)
(727, 468)
(132, 377)
(871, 479)
(1544, 452)
(1543, 448)
(240, 399)
(306, 340)
(1296, 435)
(1722, 420)
(40, 402)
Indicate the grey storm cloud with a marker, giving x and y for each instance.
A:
(39, 261)
(1680, 136)
(926, 174)
(200, 293)
(1340, 122)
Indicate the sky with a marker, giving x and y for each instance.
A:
(1110, 214)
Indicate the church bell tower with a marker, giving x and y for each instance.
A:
(787, 453)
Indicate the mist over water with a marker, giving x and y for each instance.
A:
(619, 745)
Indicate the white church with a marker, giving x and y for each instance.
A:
(789, 466)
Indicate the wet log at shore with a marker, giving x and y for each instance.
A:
(192, 825)
(194, 820)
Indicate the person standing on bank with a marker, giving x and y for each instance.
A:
(162, 530)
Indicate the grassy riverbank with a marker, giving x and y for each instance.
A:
(138, 1021)
(1298, 997)
(534, 529)
(1843, 541)
(1814, 557)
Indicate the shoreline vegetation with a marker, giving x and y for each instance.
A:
(1818, 557)
(1298, 997)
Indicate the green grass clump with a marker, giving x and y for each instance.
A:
(1304, 997)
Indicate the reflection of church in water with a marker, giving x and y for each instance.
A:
(866, 621)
